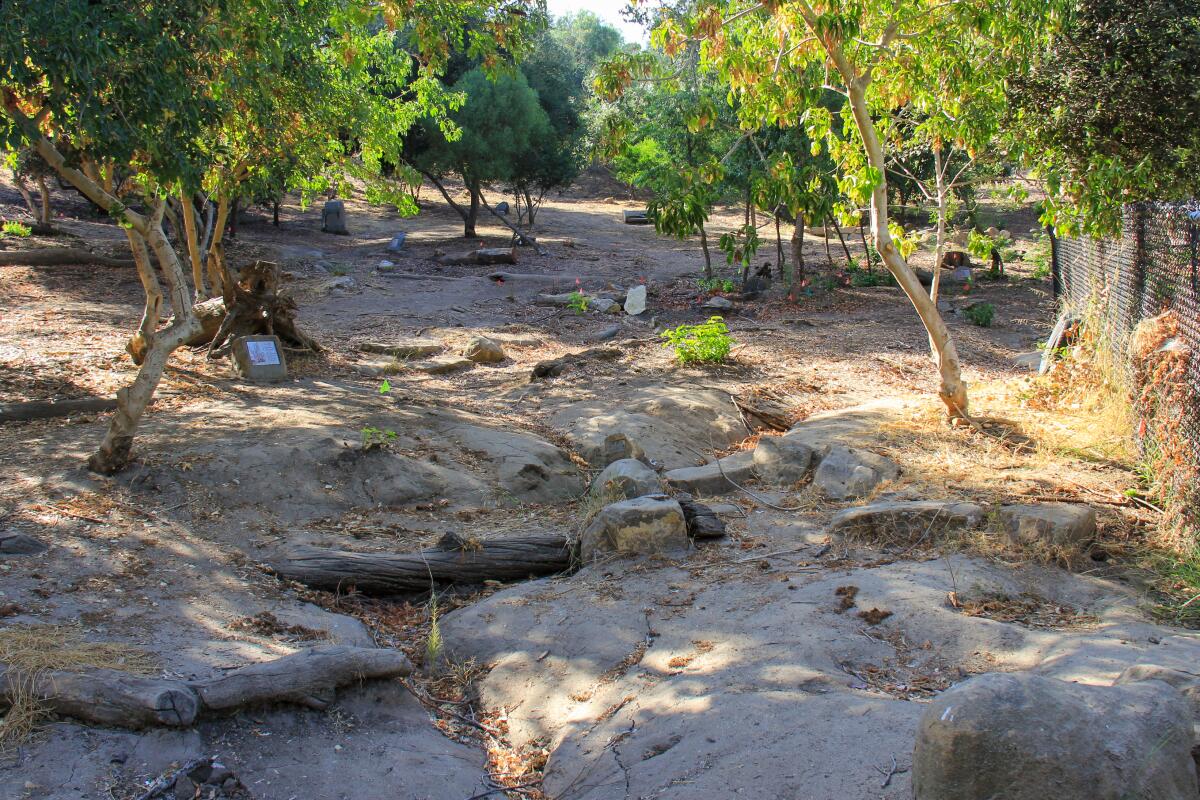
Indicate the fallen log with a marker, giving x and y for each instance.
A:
(105, 696)
(47, 409)
(484, 255)
(59, 256)
(453, 563)
(309, 678)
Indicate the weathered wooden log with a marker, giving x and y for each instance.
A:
(106, 696)
(508, 559)
(59, 256)
(702, 521)
(309, 677)
(484, 255)
(47, 409)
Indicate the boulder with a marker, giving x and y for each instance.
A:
(905, 521)
(713, 478)
(1062, 526)
(403, 348)
(443, 365)
(483, 350)
(1020, 736)
(333, 217)
(635, 300)
(642, 526)
(719, 303)
(626, 478)
(849, 472)
(397, 242)
(259, 358)
(782, 460)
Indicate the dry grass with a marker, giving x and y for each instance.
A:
(31, 650)
(1030, 610)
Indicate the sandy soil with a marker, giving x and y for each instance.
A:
(168, 555)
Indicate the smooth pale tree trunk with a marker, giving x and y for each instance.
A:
(44, 188)
(952, 391)
(188, 212)
(942, 204)
(113, 453)
(215, 262)
(152, 312)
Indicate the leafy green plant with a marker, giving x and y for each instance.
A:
(980, 314)
(708, 342)
(577, 302)
(385, 386)
(373, 437)
(865, 279)
(15, 229)
(716, 285)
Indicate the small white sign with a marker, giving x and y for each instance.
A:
(262, 354)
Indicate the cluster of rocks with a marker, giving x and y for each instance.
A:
(839, 471)
(639, 518)
(1023, 736)
(429, 356)
(633, 302)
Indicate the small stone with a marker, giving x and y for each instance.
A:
(848, 472)
(404, 348)
(907, 521)
(397, 242)
(702, 520)
(443, 365)
(626, 479)
(185, 789)
(386, 266)
(1063, 526)
(603, 305)
(333, 217)
(20, 544)
(483, 350)
(714, 478)
(502, 207)
(782, 460)
(635, 300)
(259, 358)
(641, 526)
(617, 446)
(608, 333)
(719, 303)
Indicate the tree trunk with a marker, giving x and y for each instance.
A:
(952, 391)
(453, 562)
(105, 696)
(233, 217)
(841, 239)
(275, 213)
(797, 256)
(23, 188)
(44, 218)
(152, 309)
(866, 250)
(708, 270)
(472, 215)
(780, 262)
(215, 261)
(940, 249)
(188, 212)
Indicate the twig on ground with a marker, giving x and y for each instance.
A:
(500, 789)
(756, 498)
(889, 774)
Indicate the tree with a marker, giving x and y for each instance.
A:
(178, 94)
(1110, 113)
(778, 58)
(499, 123)
(26, 165)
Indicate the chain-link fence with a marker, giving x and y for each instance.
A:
(1153, 268)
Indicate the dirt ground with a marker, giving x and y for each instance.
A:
(754, 668)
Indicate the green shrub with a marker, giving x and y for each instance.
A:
(880, 277)
(980, 314)
(15, 229)
(577, 302)
(716, 285)
(709, 342)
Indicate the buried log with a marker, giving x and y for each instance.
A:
(59, 256)
(104, 696)
(452, 562)
(309, 678)
(47, 409)
(484, 255)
